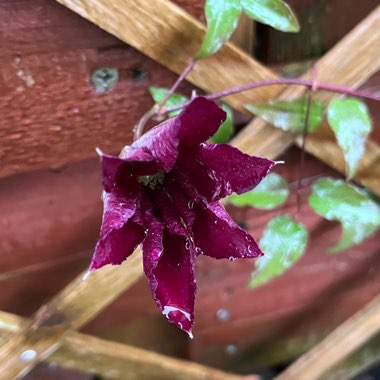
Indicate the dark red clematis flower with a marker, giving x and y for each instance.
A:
(163, 191)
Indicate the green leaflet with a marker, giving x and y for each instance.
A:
(338, 201)
(275, 13)
(289, 115)
(226, 130)
(283, 243)
(222, 19)
(271, 192)
(351, 123)
(159, 93)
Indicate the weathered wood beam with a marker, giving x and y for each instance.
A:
(170, 36)
(344, 340)
(164, 32)
(70, 309)
(117, 361)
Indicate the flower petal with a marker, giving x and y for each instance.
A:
(218, 236)
(119, 236)
(175, 206)
(199, 121)
(117, 176)
(169, 265)
(195, 124)
(218, 170)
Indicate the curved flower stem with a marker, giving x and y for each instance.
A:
(157, 108)
(304, 137)
(139, 127)
(179, 80)
(285, 81)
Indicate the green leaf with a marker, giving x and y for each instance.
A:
(289, 115)
(271, 192)
(275, 13)
(283, 243)
(226, 130)
(222, 19)
(159, 93)
(358, 214)
(351, 123)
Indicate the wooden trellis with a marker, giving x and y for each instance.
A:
(51, 333)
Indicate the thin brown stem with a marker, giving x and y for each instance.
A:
(179, 80)
(157, 108)
(303, 151)
(139, 127)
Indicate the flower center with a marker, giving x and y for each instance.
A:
(152, 181)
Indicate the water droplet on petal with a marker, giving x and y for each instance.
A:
(231, 258)
(198, 250)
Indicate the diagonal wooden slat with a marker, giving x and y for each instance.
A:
(118, 361)
(170, 36)
(344, 340)
(164, 32)
(75, 305)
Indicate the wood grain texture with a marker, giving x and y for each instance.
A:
(75, 305)
(322, 25)
(117, 361)
(337, 346)
(244, 34)
(351, 62)
(52, 115)
(170, 36)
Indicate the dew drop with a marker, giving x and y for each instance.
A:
(28, 355)
(231, 349)
(231, 258)
(198, 250)
(187, 245)
(223, 314)
(190, 205)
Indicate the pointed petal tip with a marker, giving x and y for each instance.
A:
(99, 152)
(180, 318)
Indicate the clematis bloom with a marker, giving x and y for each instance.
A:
(163, 191)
